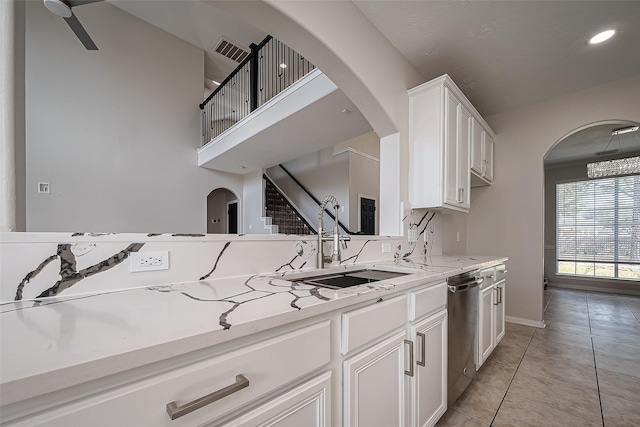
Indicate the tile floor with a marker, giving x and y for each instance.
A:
(583, 369)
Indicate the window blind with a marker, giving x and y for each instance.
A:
(598, 227)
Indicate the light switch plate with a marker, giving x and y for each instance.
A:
(386, 248)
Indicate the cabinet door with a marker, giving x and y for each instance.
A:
(429, 383)
(451, 189)
(488, 157)
(486, 319)
(464, 137)
(476, 147)
(374, 385)
(499, 312)
(307, 405)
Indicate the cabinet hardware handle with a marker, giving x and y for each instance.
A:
(500, 294)
(497, 296)
(502, 271)
(176, 411)
(423, 339)
(410, 371)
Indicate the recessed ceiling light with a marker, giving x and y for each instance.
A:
(603, 36)
(283, 65)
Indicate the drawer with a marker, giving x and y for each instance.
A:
(489, 276)
(267, 366)
(427, 300)
(368, 323)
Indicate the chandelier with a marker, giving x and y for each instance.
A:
(618, 167)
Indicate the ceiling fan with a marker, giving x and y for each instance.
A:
(62, 8)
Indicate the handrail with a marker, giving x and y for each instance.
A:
(314, 199)
(311, 227)
(244, 62)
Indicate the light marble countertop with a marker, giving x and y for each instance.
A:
(61, 342)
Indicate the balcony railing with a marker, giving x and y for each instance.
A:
(270, 68)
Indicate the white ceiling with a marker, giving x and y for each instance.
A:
(506, 54)
(502, 54)
(583, 144)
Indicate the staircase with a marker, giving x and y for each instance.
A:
(282, 213)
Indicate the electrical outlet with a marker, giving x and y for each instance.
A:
(149, 261)
(413, 235)
(386, 248)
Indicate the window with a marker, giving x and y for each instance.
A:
(598, 228)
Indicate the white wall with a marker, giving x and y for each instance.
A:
(252, 207)
(364, 181)
(507, 217)
(114, 132)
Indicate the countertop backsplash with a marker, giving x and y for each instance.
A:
(37, 265)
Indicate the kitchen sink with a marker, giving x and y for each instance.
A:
(347, 279)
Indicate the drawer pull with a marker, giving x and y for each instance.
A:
(410, 371)
(176, 411)
(423, 353)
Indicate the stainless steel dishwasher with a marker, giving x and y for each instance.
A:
(462, 306)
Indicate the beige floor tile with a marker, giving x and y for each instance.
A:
(552, 324)
(620, 320)
(619, 412)
(616, 327)
(560, 369)
(618, 364)
(516, 340)
(611, 311)
(567, 305)
(566, 397)
(479, 401)
(519, 329)
(620, 337)
(568, 319)
(555, 350)
(618, 385)
(453, 418)
(564, 312)
(518, 412)
(604, 345)
(495, 374)
(506, 355)
(564, 337)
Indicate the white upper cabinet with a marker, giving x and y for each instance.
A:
(481, 154)
(442, 139)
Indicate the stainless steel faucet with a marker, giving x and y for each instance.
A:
(336, 238)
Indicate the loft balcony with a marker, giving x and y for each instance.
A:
(276, 106)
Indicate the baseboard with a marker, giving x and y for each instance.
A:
(594, 289)
(527, 322)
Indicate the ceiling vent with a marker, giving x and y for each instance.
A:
(231, 50)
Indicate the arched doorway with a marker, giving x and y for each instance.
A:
(588, 225)
(222, 212)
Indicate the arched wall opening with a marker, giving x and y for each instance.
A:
(223, 212)
(588, 237)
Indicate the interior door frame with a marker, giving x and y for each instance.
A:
(237, 202)
(376, 224)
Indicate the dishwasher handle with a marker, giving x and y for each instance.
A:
(466, 286)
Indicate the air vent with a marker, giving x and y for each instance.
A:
(231, 50)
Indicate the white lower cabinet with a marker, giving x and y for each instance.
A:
(498, 326)
(491, 318)
(226, 384)
(428, 386)
(373, 385)
(486, 324)
(307, 405)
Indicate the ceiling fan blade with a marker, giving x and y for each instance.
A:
(74, 3)
(81, 33)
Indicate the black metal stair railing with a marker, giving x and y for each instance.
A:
(303, 188)
(270, 68)
(283, 213)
